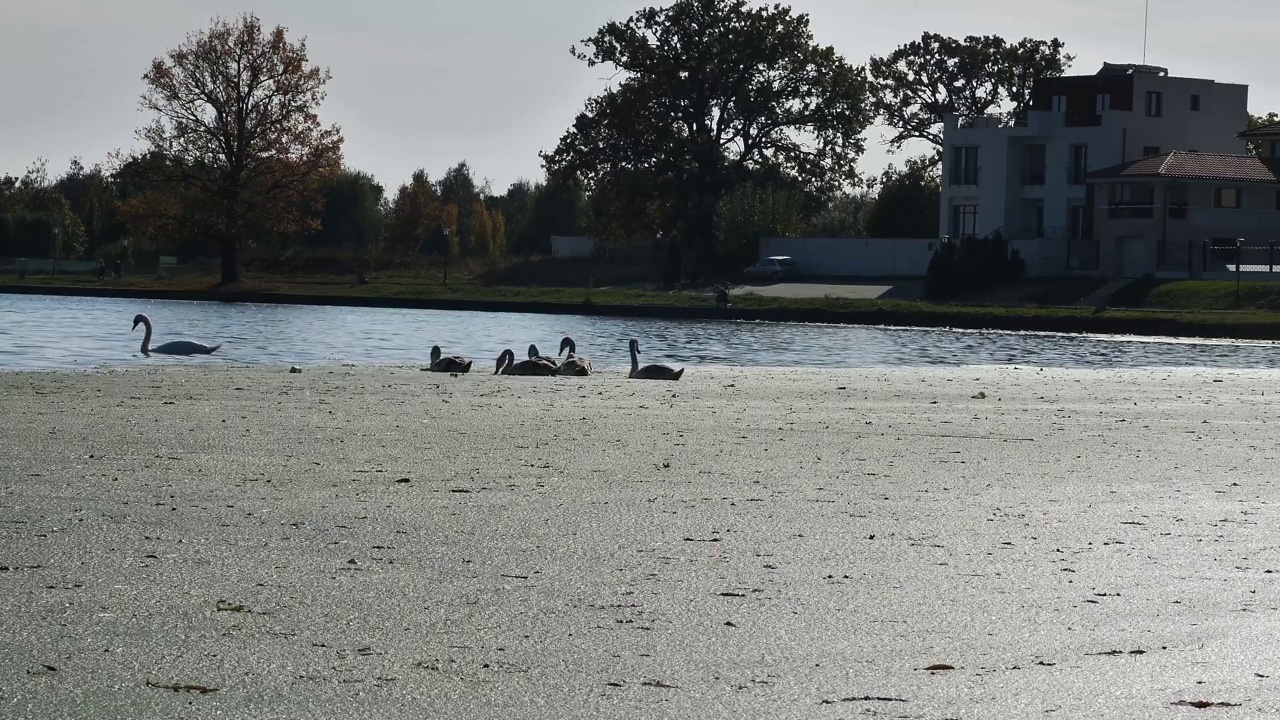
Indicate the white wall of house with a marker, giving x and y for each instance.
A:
(1045, 257)
(854, 257)
(1006, 196)
(1173, 244)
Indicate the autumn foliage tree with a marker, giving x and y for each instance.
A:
(449, 223)
(235, 116)
(415, 214)
(480, 237)
(498, 238)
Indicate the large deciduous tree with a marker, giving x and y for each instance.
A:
(1260, 121)
(709, 93)
(924, 80)
(235, 111)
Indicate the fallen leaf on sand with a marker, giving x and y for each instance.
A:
(864, 698)
(940, 666)
(224, 606)
(659, 684)
(197, 689)
(731, 594)
(980, 396)
(1203, 704)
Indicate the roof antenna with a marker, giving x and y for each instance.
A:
(1146, 17)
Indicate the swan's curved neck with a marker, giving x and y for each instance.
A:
(146, 338)
(635, 361)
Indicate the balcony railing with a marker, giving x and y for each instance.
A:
(1033, 177)
(1089, 119)
(1032, 232)
(1131, 211)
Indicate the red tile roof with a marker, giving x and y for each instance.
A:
(1272, 130)
(1196, 166)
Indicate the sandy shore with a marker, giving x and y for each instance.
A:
(386, 543)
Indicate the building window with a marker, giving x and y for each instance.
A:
(1103, 103)
(1034, 174)
(1195, 103)
(1155, 103)
(964, 167)
(1227, 198)
(1132, 200)
(1175, 199)
(1150, 150)
(1079, 168)
(1278, 201)
(1275, 148)
(1059, 103)
(1075, 218)
(964, 221)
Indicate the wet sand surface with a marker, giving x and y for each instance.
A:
(389, 543)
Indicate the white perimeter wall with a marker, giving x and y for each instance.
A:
(571, 246)
(891, 257)
(854, 257)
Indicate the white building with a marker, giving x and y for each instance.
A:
(1027, 179)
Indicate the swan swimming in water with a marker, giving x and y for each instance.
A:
(177, 347)
(574, 364)
(448, 363)
(650, 372)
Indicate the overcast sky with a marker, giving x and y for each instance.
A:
(425, 83)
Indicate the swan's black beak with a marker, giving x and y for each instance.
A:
(135, 326)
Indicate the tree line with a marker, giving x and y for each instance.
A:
(725, 121)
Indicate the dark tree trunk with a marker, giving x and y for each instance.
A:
(700, 229)
(230, 261)
(671, 265)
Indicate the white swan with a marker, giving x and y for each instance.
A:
(177, 347)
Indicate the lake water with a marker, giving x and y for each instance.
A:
(48, 332)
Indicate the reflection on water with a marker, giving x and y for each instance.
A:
(68, 332)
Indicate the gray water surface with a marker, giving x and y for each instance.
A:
(57, 332)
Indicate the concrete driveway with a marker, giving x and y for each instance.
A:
(869, 291)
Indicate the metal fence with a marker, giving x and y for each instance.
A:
(1237, 256)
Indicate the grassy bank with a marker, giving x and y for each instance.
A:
(1197, 309)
